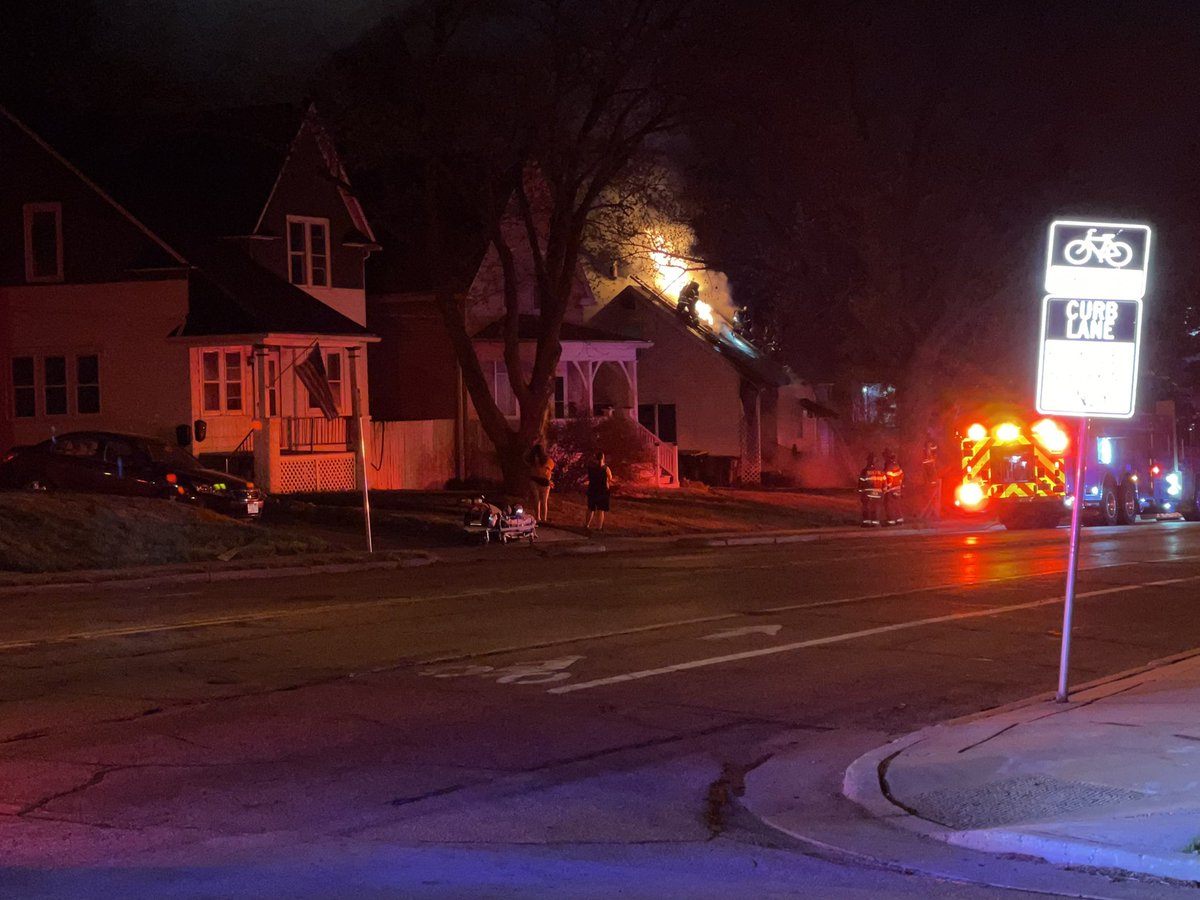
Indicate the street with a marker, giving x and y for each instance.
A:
(529, 725)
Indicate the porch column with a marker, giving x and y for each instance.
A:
(631, 376)
(588, 381)
(360, 444)
(266, 431)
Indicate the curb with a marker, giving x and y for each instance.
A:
(115, 578)
(865, 783)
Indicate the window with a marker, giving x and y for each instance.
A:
(87, 384)
(560, 397)
(506, 400)
(24, 388)
(54, 385)
(56, 378)
(43, 242)
(308, 251)
(221, 380)
(333, 374)
(272, 387)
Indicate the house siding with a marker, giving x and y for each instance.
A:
(144, 378)
(305, 188)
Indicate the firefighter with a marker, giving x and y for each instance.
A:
(870, 491)
(933, 483)
(893, 483)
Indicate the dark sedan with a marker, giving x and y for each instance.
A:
(107, 463)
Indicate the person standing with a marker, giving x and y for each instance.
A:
(893, 486)
(599, 482)
(870, 491)
(541, 471)
(933, 483)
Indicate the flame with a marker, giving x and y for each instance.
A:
(669, 269)
(704, 313)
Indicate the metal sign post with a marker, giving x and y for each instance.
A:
(1072, 562)
(1096, 274)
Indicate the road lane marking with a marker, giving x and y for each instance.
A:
(266, 615)
(853, 635)
(771, 630)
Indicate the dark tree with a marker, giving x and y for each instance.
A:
(514, 119)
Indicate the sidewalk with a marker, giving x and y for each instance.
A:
(1110, 779)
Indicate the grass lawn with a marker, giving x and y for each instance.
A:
(691, 510)
(57, 532)
(432, 517)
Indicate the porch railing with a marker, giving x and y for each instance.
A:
(666, 455)
(314, 435)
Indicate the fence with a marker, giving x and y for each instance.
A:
(417, 455)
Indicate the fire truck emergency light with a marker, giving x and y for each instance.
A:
(1051, 435)
(969, 494)
(1007, 432)
(976, 433)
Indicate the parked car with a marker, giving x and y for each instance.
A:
(102, 462)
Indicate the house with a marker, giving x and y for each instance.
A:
(735, 414)
(176, 300)
(415, 371)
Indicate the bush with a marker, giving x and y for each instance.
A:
(573, 444)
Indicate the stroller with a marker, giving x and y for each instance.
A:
(505, 524)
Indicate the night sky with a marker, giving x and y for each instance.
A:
(807, 112)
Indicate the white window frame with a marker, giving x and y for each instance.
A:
(71, 386)
(223, 381)
(28, 211)
(306, 251)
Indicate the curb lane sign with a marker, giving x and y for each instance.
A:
(1089, 359)
(1092, 318)
(1097, 260)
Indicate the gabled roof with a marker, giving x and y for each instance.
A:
(751, 363)
(213, 175)
(229, 293)
(167, 255)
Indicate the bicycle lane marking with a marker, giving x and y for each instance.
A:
(851, 636)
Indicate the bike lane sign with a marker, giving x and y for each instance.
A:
(1097, 260)
(1089, 360)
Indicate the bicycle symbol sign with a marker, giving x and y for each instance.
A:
(1099, 260)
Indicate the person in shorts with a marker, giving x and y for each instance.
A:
(599, 483)
(541, 470)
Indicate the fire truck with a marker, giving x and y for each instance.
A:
(1021, 469)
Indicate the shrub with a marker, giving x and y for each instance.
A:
(573, 444)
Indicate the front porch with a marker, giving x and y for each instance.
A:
(253, 416)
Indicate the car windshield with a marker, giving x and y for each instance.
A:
(167, 455)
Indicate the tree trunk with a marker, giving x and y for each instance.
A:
(513, 455)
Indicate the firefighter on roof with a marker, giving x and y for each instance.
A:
(893, 477)
(870, 491)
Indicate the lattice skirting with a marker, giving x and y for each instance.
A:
(317, 472)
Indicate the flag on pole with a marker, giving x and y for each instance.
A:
(311, 371)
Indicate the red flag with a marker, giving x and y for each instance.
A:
(312, 372)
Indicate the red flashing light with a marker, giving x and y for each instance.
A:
(1154, 470)
(171, 479)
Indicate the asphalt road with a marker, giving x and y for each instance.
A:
(573, 726)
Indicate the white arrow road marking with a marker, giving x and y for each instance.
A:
(856, 635)
(739, 632)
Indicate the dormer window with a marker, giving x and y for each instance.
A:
(308, 251)
(43, 242)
